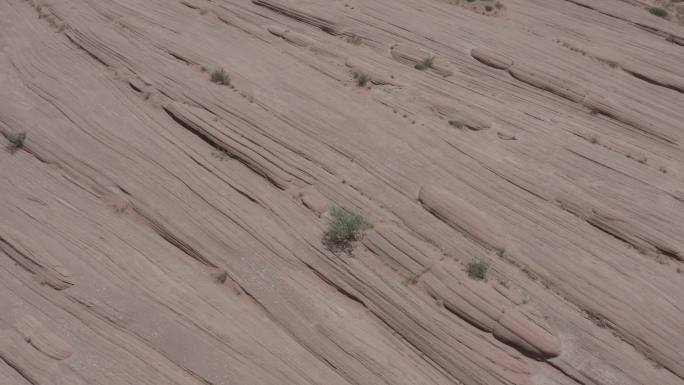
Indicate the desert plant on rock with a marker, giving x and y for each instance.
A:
(425, 63)
(220, 76)
(221, 277)
(222, 154)
(456, 123)
(477, 270)
(361, 78)
(16, 141)
(354, 39)
(660, 12)
(345, 228)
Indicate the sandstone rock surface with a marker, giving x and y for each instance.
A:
(160, 228)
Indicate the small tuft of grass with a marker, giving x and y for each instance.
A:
(477, 270)
(594, 111)
(660, 12)
(16, 141)
(612, 64)
(489, 8)
(361, 78)
(425, 63)
(597, 319)
(413, 278)
(344, 229)
(456, 123)
(221, 277)
(354, 39)
(220, 76)
(222, 154)
(593, 139)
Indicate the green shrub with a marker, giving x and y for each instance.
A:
(220, 76)
(477, 270)
(361, 78)
(221, 277)
(344, 229)
(456, 123)
(425, 63)
(16, 141)
(489, 8)
(660, 12)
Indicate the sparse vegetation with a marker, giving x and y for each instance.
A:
(643, 159)
(489, 8)
(456, 123)
(221, 277)
(345, 228)
(413, 278)
(361, 78)
(593, 139)
(425, 63)
(16, 141)
(498, 5)
(222, 154)
(612, 64)
(477, 270)
(594, 111)
(597, 319)
(660, 12)
(220, 76)
(354, 39)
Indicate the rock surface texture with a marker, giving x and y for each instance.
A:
(160, 228)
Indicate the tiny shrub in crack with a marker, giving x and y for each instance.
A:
(220, 76)
(345, 228)
(477, 270)
(425, 63)
(16, 141)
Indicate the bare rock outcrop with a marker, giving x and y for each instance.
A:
(167, 170)
(491, 59)
(463, 217)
